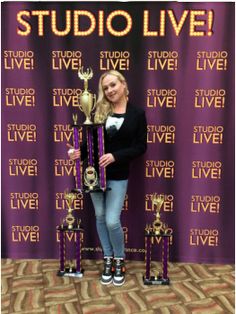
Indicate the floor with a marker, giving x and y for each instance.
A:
(32, 286)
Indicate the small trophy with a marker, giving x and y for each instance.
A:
(157, 229)
(70, 225)
(93, 178)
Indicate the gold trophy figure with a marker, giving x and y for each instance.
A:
(70, 219)
(87, 99)
(75, 119)
(157, 201)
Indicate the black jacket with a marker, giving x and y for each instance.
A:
(129, 142)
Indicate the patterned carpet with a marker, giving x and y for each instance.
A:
(32, 286)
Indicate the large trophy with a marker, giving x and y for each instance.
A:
(70, 225)
(93, 177)
(157, 230)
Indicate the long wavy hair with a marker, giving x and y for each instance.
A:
(103, 106)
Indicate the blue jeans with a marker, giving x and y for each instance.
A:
(108, 206)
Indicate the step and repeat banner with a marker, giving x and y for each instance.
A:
(178, 59)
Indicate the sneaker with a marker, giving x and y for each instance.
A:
(106, 278)
(119, 275)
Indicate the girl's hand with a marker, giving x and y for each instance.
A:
(73, 153)
(106, 159)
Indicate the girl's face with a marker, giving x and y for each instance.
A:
(113, 88)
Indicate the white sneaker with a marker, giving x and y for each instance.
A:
(106, 278)
(119, 275)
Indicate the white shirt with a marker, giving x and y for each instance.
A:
(114, 123)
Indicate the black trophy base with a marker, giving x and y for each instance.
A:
(68, 272)
(91, 125)
(97, 190)
(75, 190)
(156, 281)
(74, 228)
(94, 190)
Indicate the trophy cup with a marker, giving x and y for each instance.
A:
(93, 178)
(70, 225)
(87, 100)
(157, 230)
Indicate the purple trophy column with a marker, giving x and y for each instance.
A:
(90, 145)
(148, 255)
(62, 251)
(78, 251)
(165, 242)
(77, 161)
(100, 153)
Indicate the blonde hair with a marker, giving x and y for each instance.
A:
(104, 107)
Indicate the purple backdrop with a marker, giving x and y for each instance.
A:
(178, 59)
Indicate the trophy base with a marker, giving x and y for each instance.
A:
(74, 228)
(154, 234)
(156, 281)
(89, 124)
(97, 190)
(76, 190)
(70, 273)
(94, 190)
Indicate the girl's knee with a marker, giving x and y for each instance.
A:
(112, 225)
(100, 217)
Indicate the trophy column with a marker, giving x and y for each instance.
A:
(101, 151)
(147, 255)
(160, 278)
(77, 161)
(165, 256)
(62, 250)
(78, 252)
